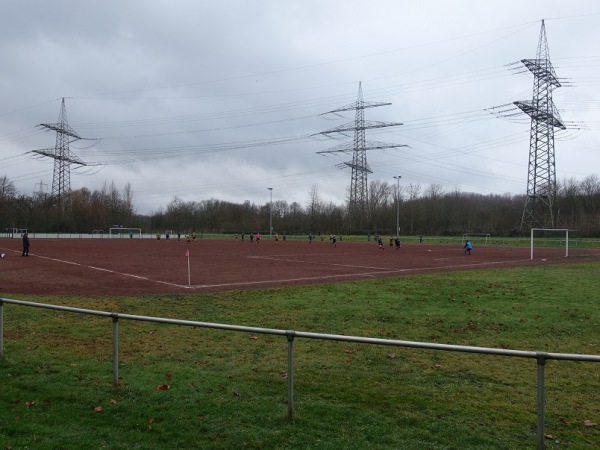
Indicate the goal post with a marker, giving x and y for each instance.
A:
(550, 238)
(125, 232)
(18, 232)
(485, 237)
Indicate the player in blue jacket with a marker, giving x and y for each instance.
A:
(468, 247)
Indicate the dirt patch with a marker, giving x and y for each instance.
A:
(143, 266)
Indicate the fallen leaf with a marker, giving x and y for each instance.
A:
(283, 375)
(98, 408)
(350, 350)
(112, 401)
(589, 423)
(253, 337)
(169, 376)
(34, 438)
(237, 394)
(17, 401)
(549, 436)
(163, 387)
(150, 422)
(391, 356)
(29, 404)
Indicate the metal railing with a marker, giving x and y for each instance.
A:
(291, 335)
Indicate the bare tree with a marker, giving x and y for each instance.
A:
(413, 194)
(7, 189)
(314, 206)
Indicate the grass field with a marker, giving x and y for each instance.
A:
(228, 390)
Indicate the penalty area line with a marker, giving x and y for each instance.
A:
(101, 269)
(301, 261)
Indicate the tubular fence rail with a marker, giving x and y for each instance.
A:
(291, 335)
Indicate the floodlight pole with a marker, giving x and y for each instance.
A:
(271, 213)
(397, 177)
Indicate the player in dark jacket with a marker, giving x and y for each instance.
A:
(25, 245)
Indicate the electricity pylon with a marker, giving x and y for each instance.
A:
(540, 210)
(63, 158)
(358, 210)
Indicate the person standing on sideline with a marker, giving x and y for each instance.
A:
(468, 247)
(257, 237)
(397, 241)
(25, 245)
(420, 238)
(333, 240)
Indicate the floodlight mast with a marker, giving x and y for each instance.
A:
(271, 213)
(540, 210)
(397, 177)
(358, 204)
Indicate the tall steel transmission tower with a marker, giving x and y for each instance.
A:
(63, 158)
(358, 211)
(540, 210)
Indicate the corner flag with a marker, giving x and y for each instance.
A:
(187, 255)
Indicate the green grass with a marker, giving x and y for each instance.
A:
(228, 389)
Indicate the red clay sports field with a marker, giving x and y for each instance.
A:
(149, 266)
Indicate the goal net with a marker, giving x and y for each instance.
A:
(476, 238)
(549, 242)
(18, 232)
(125, 232)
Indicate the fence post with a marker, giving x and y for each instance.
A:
(115, 320)
(541, 362)
(1, 328)
(290, 337)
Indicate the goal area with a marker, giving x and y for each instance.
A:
(476, 238)
(125, 232)
(549, 242)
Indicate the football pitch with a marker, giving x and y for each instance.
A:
(142, 266)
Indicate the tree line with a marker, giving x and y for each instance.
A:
(429, 210)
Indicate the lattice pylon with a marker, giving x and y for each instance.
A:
(540, 204)
(63, 157)
(358, 203)
(358, 185)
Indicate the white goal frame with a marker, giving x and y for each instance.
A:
(137, 231)
(486, 237)
(565, 230)
(18, 232)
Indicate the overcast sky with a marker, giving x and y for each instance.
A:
(223, 99)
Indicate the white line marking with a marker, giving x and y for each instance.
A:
(272, 258)
(381, 271)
